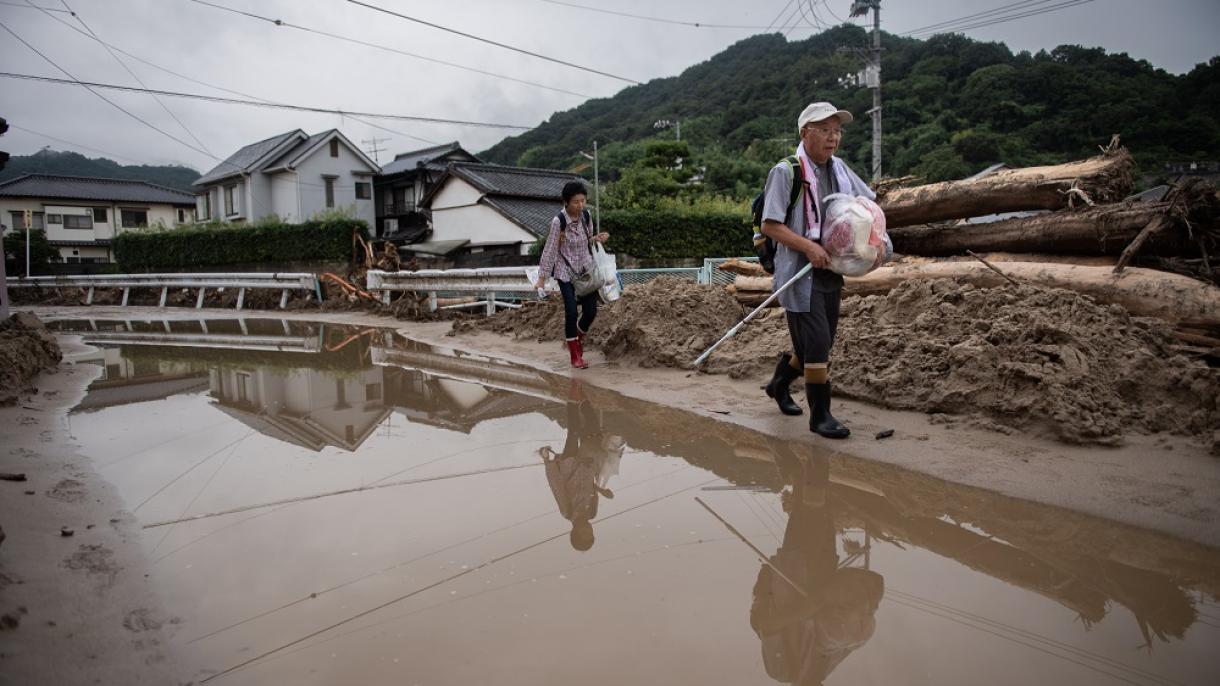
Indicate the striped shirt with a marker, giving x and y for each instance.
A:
(575, 249)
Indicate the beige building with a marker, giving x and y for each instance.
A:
(82, 215)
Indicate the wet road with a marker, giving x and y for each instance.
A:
(334, 505)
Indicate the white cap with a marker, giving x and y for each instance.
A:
(818, 111)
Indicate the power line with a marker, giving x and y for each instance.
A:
(125, 67)
(780, 14)
(490, 42)
(113, 104)
(171, 72)
(994, 10)
(32, 5)
(256, 103)
(78, 145)
(659, 20)
(356, 41)
(997, 15)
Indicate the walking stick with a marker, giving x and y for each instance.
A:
(733, 331)
(757, 553)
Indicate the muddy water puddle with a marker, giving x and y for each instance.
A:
(325, 505)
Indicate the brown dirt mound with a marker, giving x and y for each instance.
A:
(664, 322)
(26, 348)
(1027, 357)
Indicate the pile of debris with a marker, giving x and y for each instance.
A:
(26, 349)
(1073, 226)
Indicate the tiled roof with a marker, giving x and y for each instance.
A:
(86, 188)
(297, 149)
(530, 214)
(99, 243)
(245, 157)
(522, 182)
(407, 161)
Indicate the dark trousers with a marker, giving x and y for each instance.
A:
(813, 332)
(588, 309)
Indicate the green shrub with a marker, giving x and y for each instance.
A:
(326, 238)
(672, 230)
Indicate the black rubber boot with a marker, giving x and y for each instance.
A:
(821, 422)
(779, 386)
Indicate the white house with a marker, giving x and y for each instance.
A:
(293, 175)
(82, 215)
(489, 208)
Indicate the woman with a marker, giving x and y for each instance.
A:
(567, 253)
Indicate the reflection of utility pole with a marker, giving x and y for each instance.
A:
(3, 276)
(373, 149)
(872, 75)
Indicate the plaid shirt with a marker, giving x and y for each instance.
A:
(575, 248)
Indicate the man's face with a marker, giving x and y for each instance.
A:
(821, 138)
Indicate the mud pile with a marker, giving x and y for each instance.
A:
(664, 322)
(26, 348)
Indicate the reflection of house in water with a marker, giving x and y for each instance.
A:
(453, 404)
(125, 380)
(306, 407)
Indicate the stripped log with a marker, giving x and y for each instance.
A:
(1104, 230)
(1142, 292)
(1102, 179)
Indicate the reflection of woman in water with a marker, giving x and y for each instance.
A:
(580, 473)
(805, 636)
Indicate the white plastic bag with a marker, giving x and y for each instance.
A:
(854, 235)
(610, 289)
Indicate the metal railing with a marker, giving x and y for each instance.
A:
(486, 283)
(284, 282)
(634, 277)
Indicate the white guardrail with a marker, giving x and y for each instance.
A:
(485, 282)
(284, 282)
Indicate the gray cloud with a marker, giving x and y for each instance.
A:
(288, 65)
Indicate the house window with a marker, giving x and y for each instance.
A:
(330, 190)
(99, 215)
(363, 191)
(229, 211)
(55, 219)
(78, 221)
(19, 220)
(404, 200)
(181, 216)
(131, 219)
(207, 206)
(334, 147)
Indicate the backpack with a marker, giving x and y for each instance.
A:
(764, 246)
(563, 222)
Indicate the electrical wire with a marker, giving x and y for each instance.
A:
(490, 42)
(998, 15)
(123, 64)
(659, 20)
(356, 41)
(780, 14)
(254, 103)
(78, 145)
(1008, 18)
(115, 48)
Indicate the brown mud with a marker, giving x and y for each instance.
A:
(26, 349)
(1026, 358)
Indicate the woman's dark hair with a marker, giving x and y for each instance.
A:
(572, 189)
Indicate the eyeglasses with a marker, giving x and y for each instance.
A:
(825, 132)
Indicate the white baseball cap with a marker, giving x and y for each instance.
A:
(818, 111)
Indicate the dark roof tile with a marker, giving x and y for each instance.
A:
(97, 189)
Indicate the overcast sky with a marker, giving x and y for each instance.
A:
(293, 66)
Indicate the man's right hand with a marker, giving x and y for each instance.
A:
(817, 256)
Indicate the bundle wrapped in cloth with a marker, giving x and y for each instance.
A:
(853, 233)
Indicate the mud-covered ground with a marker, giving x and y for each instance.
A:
(26, 348)
(1026, 358)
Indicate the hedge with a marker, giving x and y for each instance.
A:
(668, 233)
(219, 244)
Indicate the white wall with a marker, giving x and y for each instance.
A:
(455, 193)
(166, 214)
(312, 172)
(478, 224)
(285, 196)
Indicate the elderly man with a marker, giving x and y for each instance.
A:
(812, 303)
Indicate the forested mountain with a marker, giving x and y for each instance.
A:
(75, 164)
(952, 106)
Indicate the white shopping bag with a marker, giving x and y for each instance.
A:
(608, 270)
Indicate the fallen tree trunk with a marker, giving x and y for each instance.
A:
(1143, 292)
(1102, 179)
(1096, 231)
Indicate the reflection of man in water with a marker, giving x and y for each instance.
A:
(805, 636)
(580, 473)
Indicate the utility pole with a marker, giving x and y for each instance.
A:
(373, 149)
(597, 205)
(872, 75)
